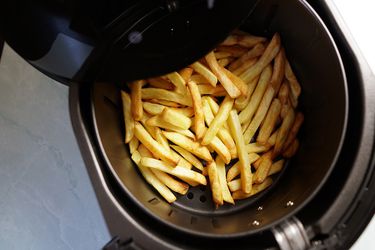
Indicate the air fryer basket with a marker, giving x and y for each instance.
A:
(315, 59)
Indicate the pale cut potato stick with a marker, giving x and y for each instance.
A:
(199, 79)
(257, 148)
(269, 122)
(189, 145)
(189, 157)
(133, 145)
(263, 170)
(284, 129)
(291, 150)
(186, 73)
(175, 118)
(150, 129)
(276, 167)
(177, 81)
(197, 106)
(247, 114)
(205, 72)
(215, 108)
(220, 166)
(218, 146)
(154, 93)
(253, 53)
(185, 164)
(152, 145)
(256, 189)
(259, 115)
(161, 83)
(235, 50)
(225, 61)
(152, 180)
(234, 185)
(157, 121)
(229, 86)
(136, 99)
(294, 130)
(165, 103)
(246, 65)
(235, 169)
(294, 85)
(221, 55)
(246, 175)
(241, 102)
(268, 55)
(160, 138)
(219, 120)
(178, 171)
(278, 71)
(241, 85)
(247, 40)
(128, 117)
(207, 89)
(217, 194)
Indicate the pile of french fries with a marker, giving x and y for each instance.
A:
(230, 116)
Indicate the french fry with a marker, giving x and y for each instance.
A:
(247, 114)
(246, 65)
(278, 71)
(241, 85)
(225, 61)
(218, 146)
(269, 154)
(152, 145)
(153, 108)
(199, 79)
(241, 102)
(160, 138)
(276, 167)
(154, 93)
(238, 195)
(220, 166)
(257, 148)
(235, 50)
(186, 73)
(253, 53)
(218, 121)
(175, 118)
(205, 72)
(269, 122)
(189, 157)
(206, 89)
(291, 150)
(272, 139)
(222, 55)
(283, 93)
(152, 180)
(217, 194)
(150, 129)
(177, 81)
(235, 169)
(294, 85)
(259, 115)
(136, 99)
(263, 170)
(246, 175)
(247, 40)
(165, 103)
(229, 86)
(133, 145)
(160, 83)
(178, 171)
(197, 105)
(268, 55)
(189, 145)
(234, 185)
(128, 117)
(158, 121)
(284, 129)
(294, 130)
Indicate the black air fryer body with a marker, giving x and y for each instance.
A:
(331, 216)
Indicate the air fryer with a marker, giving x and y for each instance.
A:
(324, 197)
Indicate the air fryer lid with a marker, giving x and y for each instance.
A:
(117, 40)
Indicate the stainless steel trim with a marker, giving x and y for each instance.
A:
(291, 235)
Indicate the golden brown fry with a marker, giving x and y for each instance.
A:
(257, 148)
(269, 123)
(278, 71)
(294, 85)
(241, 85)
(247, 40)
(217, 194)
(161, 83)
(162, 94)
(291, 150)
(284, 129)
(235, 169)
(256, 189)
(136, 99)
(218, 121)
(251, 54)
(150, 129)
(246, 65)
(157, 121)
(199, 79)
(283, 93)
(268, 55)
(294, 130)
(177, 81)
(272, 139)
(225, 61)
(241, 102)
(222, 55)
(220, 166)
(229, 86)
(153, 108)
(259, 115)
(186, 73)
(218, 146)
(207, 89)
(247, 114)
(160, 138)
(235, 50)
(175, 118)
(197, 105)
(189, 157)
(276, 167)
(263, 170)
(165, 103)
(133, 144)
(152, 180)
(128, 117)
(246, 175)
(152, 145)
(205, 72)
(189, 145)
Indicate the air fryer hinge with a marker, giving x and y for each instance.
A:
(291, 234)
